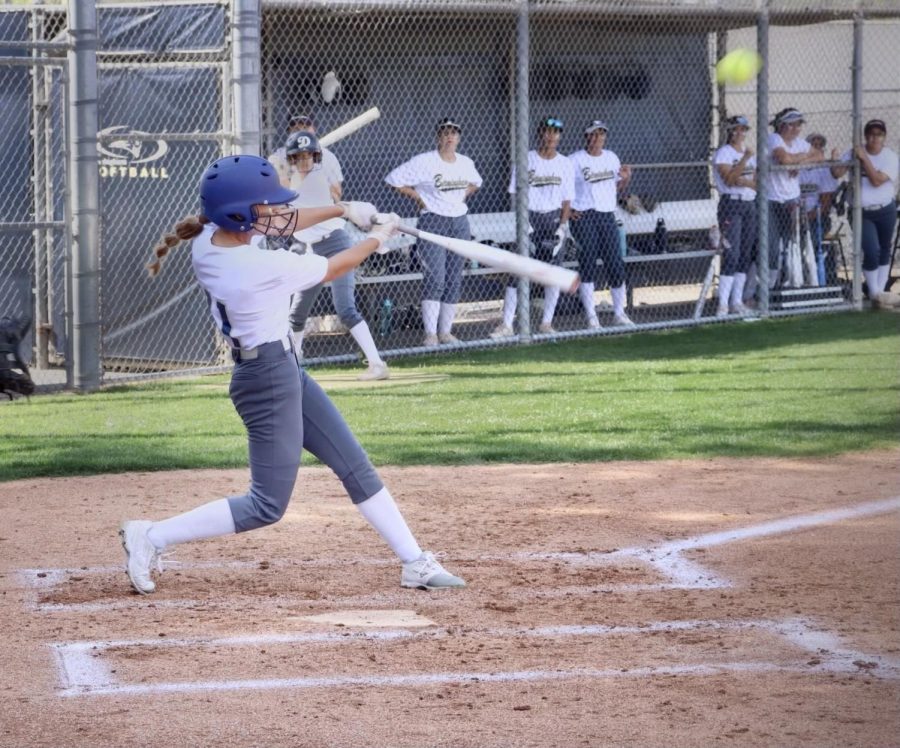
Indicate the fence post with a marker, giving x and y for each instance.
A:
(856, 120)
(523, 309)
(245, 53)
(762, 160)
(85, 192)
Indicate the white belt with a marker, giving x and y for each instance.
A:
(729, 196)
(876, 207)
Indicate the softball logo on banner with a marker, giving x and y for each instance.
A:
(131, 158)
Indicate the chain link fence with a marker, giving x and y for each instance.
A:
(645, 71)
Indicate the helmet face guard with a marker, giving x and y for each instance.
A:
(233, 188)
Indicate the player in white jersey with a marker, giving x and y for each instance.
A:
(599, 177)
(283, 409)
(316, 185)
(440, 182)
(330, 164)
(786, 148)
(880, 176)
(551, 189)
(734, 171)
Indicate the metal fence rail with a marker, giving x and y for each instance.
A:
(180, 83)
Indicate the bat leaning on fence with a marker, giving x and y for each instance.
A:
(501, 259)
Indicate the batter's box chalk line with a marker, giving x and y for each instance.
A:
(83, 670)
(665, 559)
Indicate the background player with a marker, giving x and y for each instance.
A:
(599, 176)
(551, 188)
(880, 174)
(282, 407)
(734, 171)
(440, 182)
(278, 158)
(316, 184)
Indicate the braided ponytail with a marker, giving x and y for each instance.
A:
(187, 228)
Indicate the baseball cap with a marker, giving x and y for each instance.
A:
(448, 124)
(875, 124)
(597, 124)
(550, 122)
(814, 136)
(300, 119)
(786, 116)
(737, 121)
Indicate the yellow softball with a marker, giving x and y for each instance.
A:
(738, 67)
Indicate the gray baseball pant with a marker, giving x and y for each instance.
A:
(286, 411)
(342, 288)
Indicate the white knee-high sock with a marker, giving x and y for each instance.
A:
(510, 302)
(430, 311)
(382, 513)
(206, 521)
(872, 282)
(363, 337)
(726, 283)
(884, 272)
(618, 299)
(586, 294)
(737, 290)
(551, 297)
(446, 317)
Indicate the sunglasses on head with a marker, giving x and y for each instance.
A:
(553, 122)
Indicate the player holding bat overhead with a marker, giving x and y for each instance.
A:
(598, 177)
(440, 182)
(551, 188)
(282, 407)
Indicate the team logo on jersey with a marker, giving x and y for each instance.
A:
(597, 176)
(543, 180)
(131, 157)
(448, 185)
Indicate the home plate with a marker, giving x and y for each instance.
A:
(371, 618)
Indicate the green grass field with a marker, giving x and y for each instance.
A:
(813, 385)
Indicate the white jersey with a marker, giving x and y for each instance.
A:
(730, 156)
(551, 182)
(441, 184)
(314, 191)
(887, 162)
(595, 180)
(330, 165)
(814, 182)
(249, 288)
(785, 184)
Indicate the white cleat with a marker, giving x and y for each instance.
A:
(722, 311)
(375, 372)
(430, 340)
(741, 310)
(593, 323)
(546, 328)
(140, 554)
(622, 320)
(448, 338)
(502, 331)
(425, 573)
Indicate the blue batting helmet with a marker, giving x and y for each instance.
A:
(231, 186)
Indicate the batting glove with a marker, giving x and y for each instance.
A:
(384, 226)
(358, 213)
(562, 233)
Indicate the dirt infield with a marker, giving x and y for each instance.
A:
(682, 603)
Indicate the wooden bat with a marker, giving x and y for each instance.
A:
(350, 127)
(501, 259)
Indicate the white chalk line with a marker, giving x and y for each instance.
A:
(83, 673)
(666, 559)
